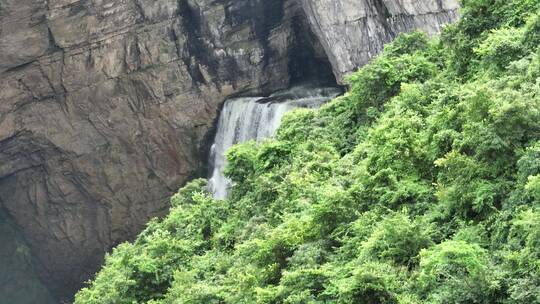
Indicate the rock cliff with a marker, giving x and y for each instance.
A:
(353, 31)
(107, 106)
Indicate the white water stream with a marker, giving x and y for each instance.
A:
(257, 118)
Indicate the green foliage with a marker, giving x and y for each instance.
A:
(501, 47)
(479, 18)
(456, 272)
(521, 257)
(533, 187)
(242, 160)
(420, 185)
(381, 80)
(370, 283)
(398, 240)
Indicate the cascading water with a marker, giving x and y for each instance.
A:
(257, 118)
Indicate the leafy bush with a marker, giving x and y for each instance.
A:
(398, 240)
(501, 47)
(456, 272)
(369, 283)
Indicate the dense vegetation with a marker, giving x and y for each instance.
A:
(420, 185)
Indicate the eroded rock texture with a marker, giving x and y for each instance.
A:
(107, 106)
(353, 31)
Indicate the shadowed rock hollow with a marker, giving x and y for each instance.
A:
(107, 106)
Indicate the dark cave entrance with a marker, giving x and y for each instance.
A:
(19, 282)
(308, 61)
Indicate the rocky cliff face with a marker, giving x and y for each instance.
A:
(107, 106)
(353, 31)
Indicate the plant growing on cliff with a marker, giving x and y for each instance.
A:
(420, 185)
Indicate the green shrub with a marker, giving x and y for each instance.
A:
(370, 283)
(397, 239)
(501, 47)
(456, 272)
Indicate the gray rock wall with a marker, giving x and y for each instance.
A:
(107, 106)
(353, 31)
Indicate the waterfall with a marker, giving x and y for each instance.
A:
(257, 118)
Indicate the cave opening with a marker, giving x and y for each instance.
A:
(19, 282)
(308, 62)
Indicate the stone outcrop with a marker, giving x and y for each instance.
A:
(107, 106)
(353, 31)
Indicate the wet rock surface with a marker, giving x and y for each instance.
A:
(108, 106)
